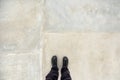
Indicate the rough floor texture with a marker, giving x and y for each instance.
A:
(32, 31)
(20, 22)
(93, 56)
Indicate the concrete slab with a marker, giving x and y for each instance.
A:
(93, 56)
(20, 22)
(25, 66)
(82, 15)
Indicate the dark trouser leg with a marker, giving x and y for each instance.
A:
(65, 74)
(53, 74)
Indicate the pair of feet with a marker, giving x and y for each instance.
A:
(53, 74)
(54, 61)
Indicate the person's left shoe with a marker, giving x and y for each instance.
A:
(54, 61)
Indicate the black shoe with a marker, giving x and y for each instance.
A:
(65, 61)
(54, 61)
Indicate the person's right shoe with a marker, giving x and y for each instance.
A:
(65, 61)
(54, 61)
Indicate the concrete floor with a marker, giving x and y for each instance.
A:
(32, 31)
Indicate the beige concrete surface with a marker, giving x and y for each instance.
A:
(22, 66)
(93, 56)
(32, 31)
(20, 22)
(87, 31)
